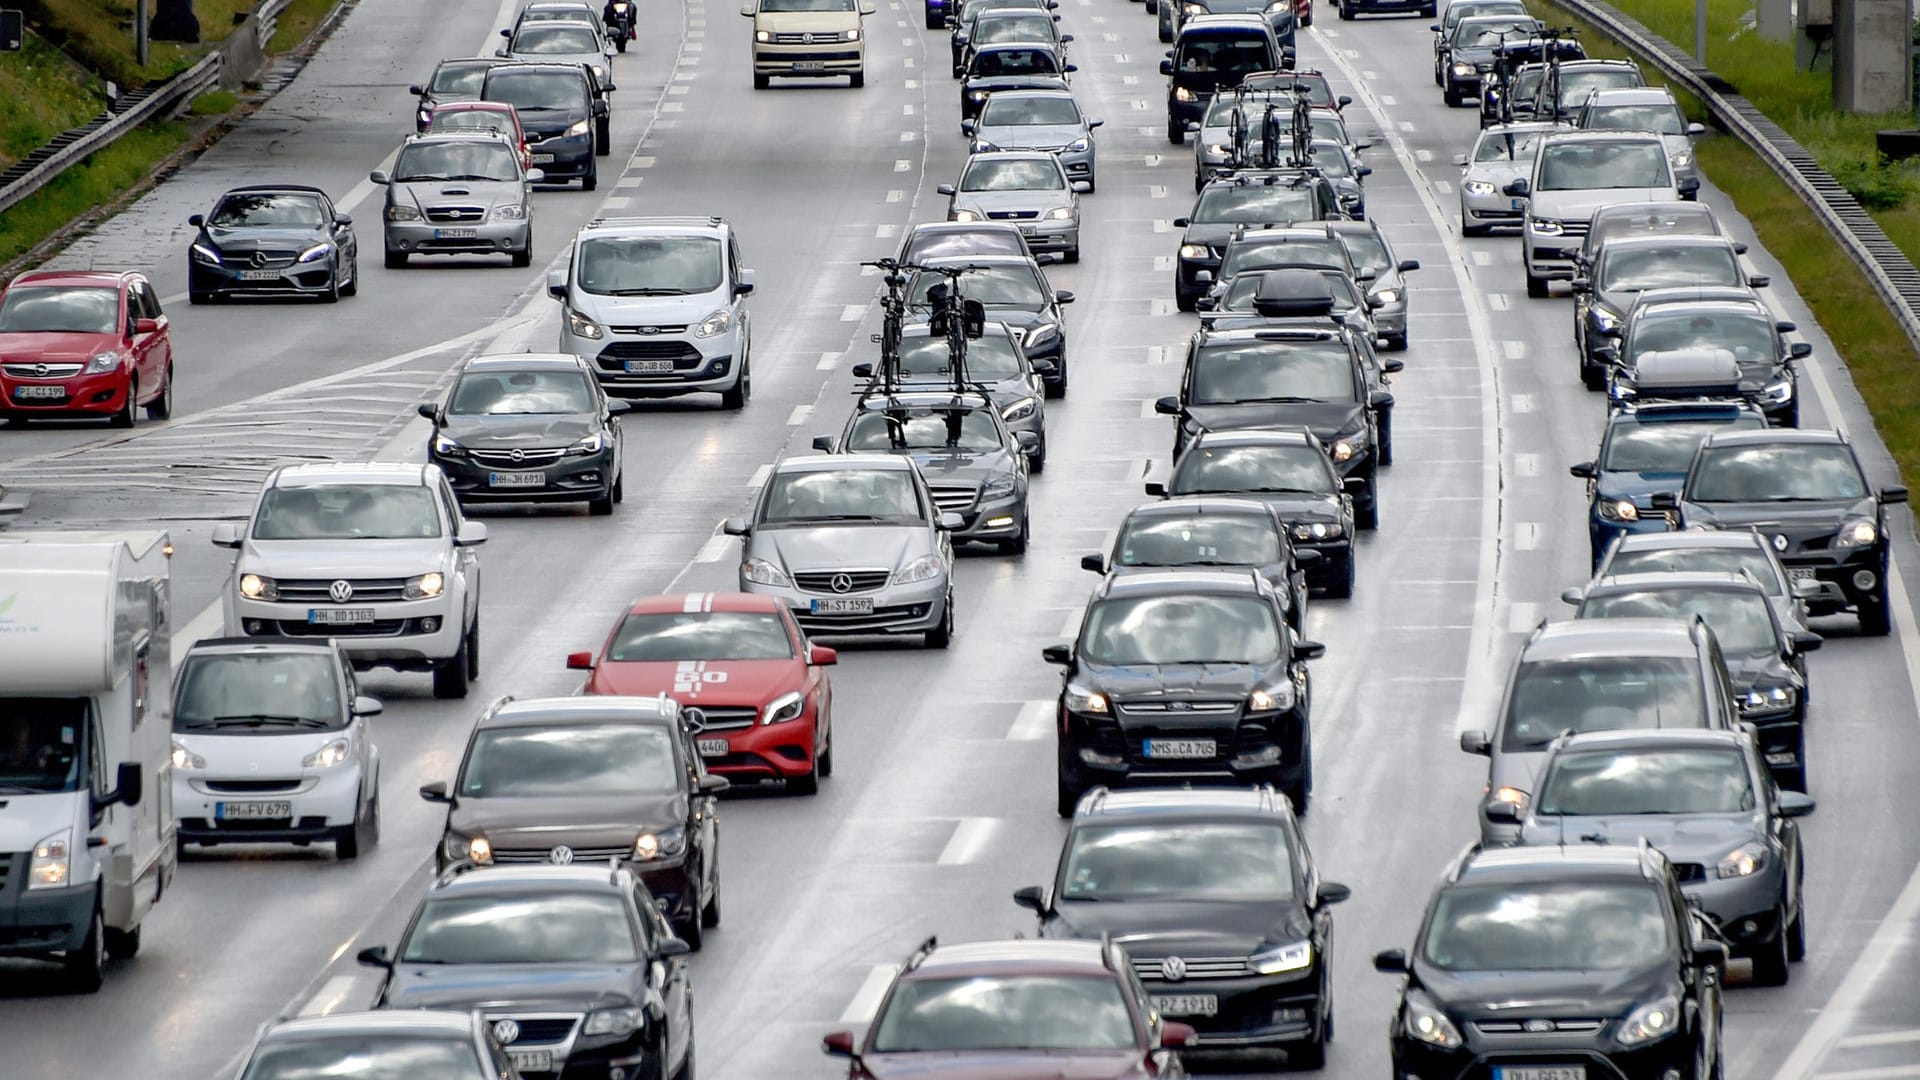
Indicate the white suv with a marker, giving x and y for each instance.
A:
(375, 555)
(658, 307)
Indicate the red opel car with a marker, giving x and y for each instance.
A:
(752, 689)
(84, 343)
(483, 116)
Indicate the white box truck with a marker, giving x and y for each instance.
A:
(86, 825)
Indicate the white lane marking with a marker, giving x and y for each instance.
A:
(1146, 409)
(616, 202)
(331, 995)
(1406, 125)
(881, 232)
(759, 477)
(1443, 187)
(901, 23)
(1139, 105)
(969, 840)
(1526, 464)
(912, 84)
(1163, 262)
(713, 549)
(1162, 225)
(853, 313)
(358, 193)
(1070, 629)
(1500, 301)
(902, 165)
(1156, 354)
(643, 162)
(896, 195)
(628, 182)
(1370, 76)
(1352, 54)
(679, 89)
(1388, 100)
(908, 136)
(867, 998)
(1120, 58)
(1152, 161)
(1515, 350)
(1526, 535)
(828, 361)
(1156, 191)
(673, 106)
(1129, 80)
(1423, 155)
(906, 110)
(1880, 1038)
(1482, 257)
(1034, 723)
(1522, 617)
(799, 415)
(1521, 403)
(906, 42)
(1162, 306)
(906, 62)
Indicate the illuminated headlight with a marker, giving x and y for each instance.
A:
(1347, 447)
(476, 850)
(1193, 9)
(510, 212)
(589, 445)
(50, 867)
(1317, 530)
(1768, 699)
(446, 447)
(1604, 320)
(1040, 335)
(851, 35)
(1080, 145)
(1274, 699)
(1388, 296)
(762, 36)
(1463, 70)
(1060, 213)
(1683, 160)
(580, 326)
(402, 212)
(762, 572)
(1019, 410)
(1423, 1021)
(102, 363)
(787, 706)
(924, 568)
(1545, 226)
(1181, 93)
(962, 215)
(334, 753)
(1000, 487)
(977, 95)
(1857, 534)
(982, 146)
(1195, 251)
(1511, 795)
(1619, 510)
(1478, 187)
(1743, 861)
(579, 127)
(664, 844)
(1294, 956)
(1780, 392)
(1082, 700)
(184, 758)
(716, 323)
(1654, 1020)
(315, 253)
(611, 1022)
(205, 253)
(425, 586)
(599, 72)
(256, 587)
(1217, 149)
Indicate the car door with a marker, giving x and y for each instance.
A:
(703, 820)
(466, 560)
(156, 346)
(343, 238)
(668, 977)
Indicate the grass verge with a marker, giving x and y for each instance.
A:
(98, 181)
(296, 22)
(42, 93)
(99, 34)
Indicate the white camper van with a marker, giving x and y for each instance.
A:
(86, 821)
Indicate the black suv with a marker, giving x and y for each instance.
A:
(562, 112)
(574, 968)
(1209, 531)
(1807, 491)
(1181, 676)
(1226, 919)
(1224, 206)
(1566, 960)
(1736, 320)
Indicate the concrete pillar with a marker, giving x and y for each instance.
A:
(1773, 19)
(1870, 65)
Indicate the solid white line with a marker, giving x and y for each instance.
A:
(881, 232)
(799, 415)
(759, 477)
(358, 193)
(1879, 1038)
(616, 202)
(867, 998)
(1500, 301)
(853, 313)
(896, 195)
(714, 549)
(1516, 350)
(331, 995)
(969, 840)
(1034, 723)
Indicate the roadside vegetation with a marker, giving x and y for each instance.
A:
(42, 93)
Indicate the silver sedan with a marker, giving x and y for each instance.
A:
(1501, 154)
(1025, 187)
(1048, 120)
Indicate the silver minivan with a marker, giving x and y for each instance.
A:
(458, 193)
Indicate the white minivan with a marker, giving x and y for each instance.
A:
(808, 39)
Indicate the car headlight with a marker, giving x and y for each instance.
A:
(611, 1022)
(1193, 9)
(1768, 698)
(1181, 93)
(599, 72)
(315, 253)
(1510, 795)
(1478, 187)
(1060, 213)
(1604, 320)
(1317, 530)
(1545, 226)
(1348, 447)
(852, 35)
(425, 586)
(1743, 861)
(982, 146)
(787, 706)
(1082, 700)
(1040, 335)
(476, 849)
(1293, 956)
(1619, 510)
(1683, 160)
(1080, 145)
(1859, 533)
(257, 587)
(334, 753)
(580, 326)
(716, 323)
(1000, 487)
(1195, 251)
(1780, 392)
(184, 758)
(664, 844)
(101, 363)
(925, 568)
(1422, 1020)
(762, 572)
(579, 127)
(510, 212)
(1463, 70)
(205, 253)
(1388, 296)
(762, 36)
(1217, 149)
(1654, 1020)
(1271, 699)
(446, 447)
(590, 444)
(1019, 410)
(402, 212)
(962, 215)
(50, 867)
(976, 96)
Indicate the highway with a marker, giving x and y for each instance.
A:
(942, 799)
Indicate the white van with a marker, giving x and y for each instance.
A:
(808, 39)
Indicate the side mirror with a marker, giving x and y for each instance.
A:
(1193, 126)
(1408, 266)
(506, 33)
(1893, 494)
(367, 706)
(1062, 296)
(617, 407)
(1156, 488)
(714, 785)
(1390, 961)
(417, 91)
(1090, 123)
(129, 784)
(1342, 102)
(471, 534)
(1305, 557)
(1363, 170)
(868, 9)
(226, 535)
(429, 410)
(374, 956)
(1786, 326)
(580, 661)
(600, 107)
(1664, 500)
(557, 284)
(671, 947)
(1505, 813)
(1203, 277)
(1167, 406)
(1519, 189)
(1795, 804)
(378, 176)
(1166, 67)
(1042, 366)
(944, 189)
(821, 656)
(1393, 365)
(948, 521)
(536, 176)
(1696, 129)
(746, 284)
(146, 326)
(747, 10)
(1581, 285)
(1175, 1035)
(1029, 441)
(1095, 563)
(197, 221)
(1476, 742)
(1331, 892)
(1181, 223)
(1367, 273)
(1380, 399)
(1687, 186)
(1435, 28)
(1805, 589)
(343, 219)
(1071, 68)
(1057, 654)
(1800, 350)
(823, 443)
(863, 371)
(1033, 898)
(435, 792)
(734, 526)
(838, 1044)
(1585, 470)
(1308, 650)
(500, 52)
(1806, 641)
(1573, 597)
(1711, 954)
(1758, 281)
(1460, 160)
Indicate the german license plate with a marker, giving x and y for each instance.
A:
(1186, 1004)
(532, 1060)
(259, 275)
(1027, 230)
(809, 65)
(1540, 1072)
(843, 605)
(649, 367)
(712, 747)
(346, 616)
(1797, 573)
(543, 159)
(517, 479)
(40, 393)
(455, 234)
(252, 811)
(1179, 748)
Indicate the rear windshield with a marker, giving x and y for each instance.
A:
(539, 89)
(1015, 62)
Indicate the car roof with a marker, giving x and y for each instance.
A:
(579, 709)
(1032, 92)
(1677, 410)
(1548, 862)
(847, 462)
(990, 258)
(1524, 125)
(1354, 225)
(457, 135)
(389, 1021)
(1277, 334)
(473, 105)
(1678, 581)
(1489, 18)
(1579, 638)
(1211, 581)
(322, 473)
(670, 603)
(1176, 804)
(529, 877)
(303, 189)
(558, 67)
(1648, 738)
(925, 399)
(74, 278)
(1597, 61)
(562, 23)
(1255, 437)
(1011, 155)
(1005, 46)
(476, 61)
(1034, 956)
(1204, 505)
(523, 362)
(1574, 136)
(1799, 436)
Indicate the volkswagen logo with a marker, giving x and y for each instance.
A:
(40, 370)
(259, 258)
(648, 329)
(1779, 541)
(1536, 1027)
(1173, 969)
(507, 1031)
(693, 719)
(561, 856)
(841, 583)
(806, 39)
(518, 455)
(341, 591)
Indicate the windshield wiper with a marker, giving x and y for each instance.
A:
(648, 292)
(255, 720)
(1280, 399)
(419, 177)
(842, 517)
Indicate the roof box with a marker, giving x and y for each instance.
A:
(1687, 372)
(1293, 294)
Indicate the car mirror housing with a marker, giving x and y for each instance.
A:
(1796, 804)
(435, 792)
(1476, 742)
(1057, 654)
(198, 221)
(1664, 500)
(1585, 470)
(374, 956)
(736, 526)
(1390, 961)
(1033, 898)
(838, 1044)
(1309, 650)
(1175, 1035)
(1095, 563)
(429, 410)
(536, 176)
(711, 784)
(580, 661)
(1573, 597)
(671, 947)
(367, 706)
(823, 443)
(471, 534)
(1504, 812)
(822, 656)
(226, 534)
(949, 521)
(1331, 892)
(1807, 640)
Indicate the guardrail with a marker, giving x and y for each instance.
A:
(1886, 266)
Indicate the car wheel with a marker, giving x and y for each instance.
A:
(1770, 961)
(83, 965)
(603, 136)
(1037, 462)
(1185, 301)
(199, 298)
(348, 839)
(1386, 440)
(942, 636)
(1797, 933)
(826, 755)
(1592, 375)
(857, 80)
(122, 944)
(1072, 254)
(1176, 134)
(1536, 286)
(1066, 795)
(473, 650)
(736, 397)
(127, 414)
(161, 407)
(450, 678)
(1341, 588)
(524, 257)
(332, 293)
(710, 911)
(1452, 97)
(602, 506)
(352, 287)
(1369, 516)
(592, 179)
(620, 487)
(1309, 1055)
(761, 82)
(807, 783)
(1346, 15)
(396, 260)
(1090, 184)
(1396, 343)
(1468, 228)
(1018, 545)
(1429, 11)
(1874, 619)
(935, 22)
(1166, 32)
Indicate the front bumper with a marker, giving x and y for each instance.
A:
(673, 887)
(897, 609)
(1391, 320)
(1846, 578)
(1482, 1054)
(1254, 749)
(1603, 531)
(1257, 1012)
(989, 521)
(567, 479)
(1336, 556)
(817, 60)
(102, 394)
(1744, 908)
(319, 801)
(564, 157)
(286, 279)
(405, 634)
(1492, 209)
(39, 921)
(1550, 255)
(1043, 235)
(486, 238)
(699, 365)
(1181, 113)
(763, 751)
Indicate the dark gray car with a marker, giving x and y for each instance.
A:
(529, 428)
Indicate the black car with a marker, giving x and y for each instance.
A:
(1807, 491)
(1290, 472)
(1184, 675)
(1211, 55)
(1308, 244)
(1565, 85)
(1208, 531)
(1304, 377)
(572, 966)
(560, 107)
(1624, 267)
(1469, 54)
(1736, 320)
(529, 428)
(452, 80)
(1353, 9)
(1574, 960)
(1011, 65)
(273, 240)
(1014, 290)
(1226, 919)
(1228, 204)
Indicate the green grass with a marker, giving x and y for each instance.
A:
(42, 94)
(213, 103)
(103, 178)
(296, 22)
(99, 34)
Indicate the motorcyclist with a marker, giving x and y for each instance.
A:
(618, 15)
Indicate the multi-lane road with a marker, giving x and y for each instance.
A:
(942, 800)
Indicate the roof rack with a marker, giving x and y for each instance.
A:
(684, 220)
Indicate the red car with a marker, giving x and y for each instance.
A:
(751, 687)
(84, 343)
(483, 116)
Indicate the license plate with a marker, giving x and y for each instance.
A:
(649, 367)
(1802, 573)
(517, 479)
(455, 234)
(347, 616)
(1028, 230)
(543, 159)
(40, 393)
(252, 811)
(712, 747)
(1180, 748)
(1540, 1072)
(844, 605)
(809, 65)
(1186, 1004)
(259, 275)
(532, 1060)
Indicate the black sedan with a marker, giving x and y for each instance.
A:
(273, 240)
(529, 428)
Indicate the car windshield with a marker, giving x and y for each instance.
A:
(1664, 118)
(1548, 926)
(1223, 54)
(1507, 145)
(1593, 166)
(347, 512)
(463, 160)
(1776, 472)
(1002, 111)
(1741, 620)
(1221, 469)
(1245, 255)
(459, 78)
(881, 495)
(1693, 780)
(1192, 628)
(1020, 174)
(650, 265)
(269, 210)
(1749, 336)
(259, 693)
(1244, 861)
(362, 1056)
(539, 89)
(60, 309)
(1204, 540)
(1729, 560)
(1576, 85)
(1640, 268)
(547, 927)
(470, 120)
(1005, 1012)
(994, 63)
(521, 393)
(989, 359)
(924, 429)
(1331, 160)
(807, 5)
(40, 745)
(1600, 693)
(545, 39)
(1255, 204)
(1256, 371)
(1367, 249)
(571, 760)
(964, 241)
(1002, 286)
(1665, 446)
(700, 635)
(1019, 28)
(1478, 34)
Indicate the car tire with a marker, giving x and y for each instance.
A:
(332, 293)
(1066, 796)
(826, 755)
(352, 286)
(350, 840)
(1018, 545)
(807, 783)
(199, 298)
(1452, 97)
(1875, 620)
(524, 257)
(603, 136)
(1308, 1056)
(1176, 134)
(620, 487)
(710, 911)
(602, 506)
(857, 80)
(1166, 33)
(122, 944)
(1091, 186)
(761, 82)
(161, 407)
(83, 966)
(1072, 254)
(129, 412)
(1429, 11)
(1342, 586)
(1770, 967)
(1058, 388)
(1346, 13)
(691, 932)
(1037, 462)
(1368, 519)
(942, 636)
(396, 260)
(1386, 440)
(450, 678)
(1797, 933)
(1537, 287)
(592, 179)
(735, 397)
(1185, 301)
(935, 22)
(1308, 20)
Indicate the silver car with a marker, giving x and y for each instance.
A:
(996, 363)
(1212, 149)
(458, 193)
(853, 544)
(1026, 187)
(1367, 246)
(560, 42)
(1502, 154)
(1644, 108)
(1048, 120)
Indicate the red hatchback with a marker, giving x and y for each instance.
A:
(84, 343)
(752, 689)
(482, 116)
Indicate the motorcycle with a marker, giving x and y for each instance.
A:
(621, 23)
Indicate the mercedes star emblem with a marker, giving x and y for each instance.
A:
(841, 583)
(1173, 969)
(1779, 541)
(259, 258)
(507, 1031)
(694, 719)
(341, 591)
(561, 856)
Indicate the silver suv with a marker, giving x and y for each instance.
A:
(458, 193)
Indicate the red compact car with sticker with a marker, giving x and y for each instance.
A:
(84, 343)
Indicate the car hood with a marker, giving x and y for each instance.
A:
(997, 202)
(54, 347)
(991, 83)
(1005, 1065)
(1292, 507)
(1638, 486)
(1472, 54)
(805, 22)
(342, 558)
(525, 432)
(1037, 136)
(649, 310)
(546, 123)
(581, 821)
(1126, 683)
(1520, 995)
(739, 682)
(26, 819)
(1579, 204)
(836, 547)
(260, 238)
(566, 987)
(487, 193)
(1681, 837)
(1192, 928)
(1498, 173)
(1214, 234)
(270, 752)
(1326, 419)
(962, 466)
(1766, 668)
(1796, 521)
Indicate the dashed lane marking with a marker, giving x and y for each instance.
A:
(1034, 723)
(867, 998)
(970, 839)
(853, 313)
